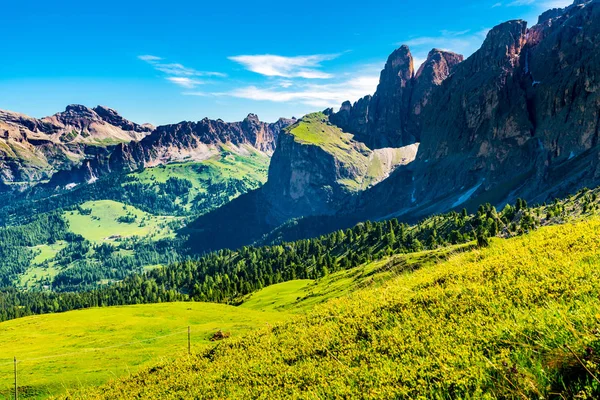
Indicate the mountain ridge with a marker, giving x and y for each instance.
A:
(80, 144)
(487, 128)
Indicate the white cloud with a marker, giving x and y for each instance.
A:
(540, 4)
(557, 4)
(520, 3)
(315, 95)
(306, 67)
(185, 82)
(463, 42)
(149, 58)
(178, 73)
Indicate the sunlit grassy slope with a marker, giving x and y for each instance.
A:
(301, 296)
(214, 181)
(103, 221)
(82, 338)
(502, 322)
(369, 166)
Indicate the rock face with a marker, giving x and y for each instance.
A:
(391, 117)
(315, 169)
(519, 118)
(316, 166)
(34, 149)
(81, 144)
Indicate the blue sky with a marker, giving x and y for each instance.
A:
(167, 61)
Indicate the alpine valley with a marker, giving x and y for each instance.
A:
(436, 239)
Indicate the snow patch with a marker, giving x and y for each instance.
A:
(467, 195)
(70, 186)
(572, 155)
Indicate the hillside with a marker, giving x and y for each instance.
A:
(103, 343)
(494, 323)
(82, 144)
(314, 169)
(516, 119)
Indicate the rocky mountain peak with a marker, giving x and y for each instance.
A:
(503, 43)
(252, 117)
(112, 117)
(78, 110)
(388, 119)
(399, 64)
(439, 65)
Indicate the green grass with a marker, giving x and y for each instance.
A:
(279, 296)
(103, 222)
(38, 271)
(245, 171)
(368, 167)
(47, 251)
(301, 296)
(81, 337)
(493, 323)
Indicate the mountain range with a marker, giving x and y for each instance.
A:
(82, 144)
(520, 118)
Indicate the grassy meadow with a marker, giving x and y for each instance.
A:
(519, 319)
(103, 222)
(72, 350)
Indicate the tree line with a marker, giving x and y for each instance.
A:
(226, 275)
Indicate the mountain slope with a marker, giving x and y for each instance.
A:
(511, 321)
(81, 144)
(519, 118)
(315, 167)
(32, 149)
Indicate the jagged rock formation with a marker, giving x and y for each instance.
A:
(81, 144)
(185, 141)
(314, 170)
(519, 118)
(317, 165)
(34, 149)
(390, 118)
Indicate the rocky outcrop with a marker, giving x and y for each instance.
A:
(82, 144)
(185, 141)
(519, 118)
(34, 149)
(391, 117)
(315, 169)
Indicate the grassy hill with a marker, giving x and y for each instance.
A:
(368, 166)
(39, 341)
(72, 350)
(212, 182)
(104, 220)
(519, 319)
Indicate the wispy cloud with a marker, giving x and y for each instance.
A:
(539, 4)
(185, 82)
(516, 3)
(462, 42)
(149, 58)
(315, 95)
(556, 3)
(307, 67)
(178, 73)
